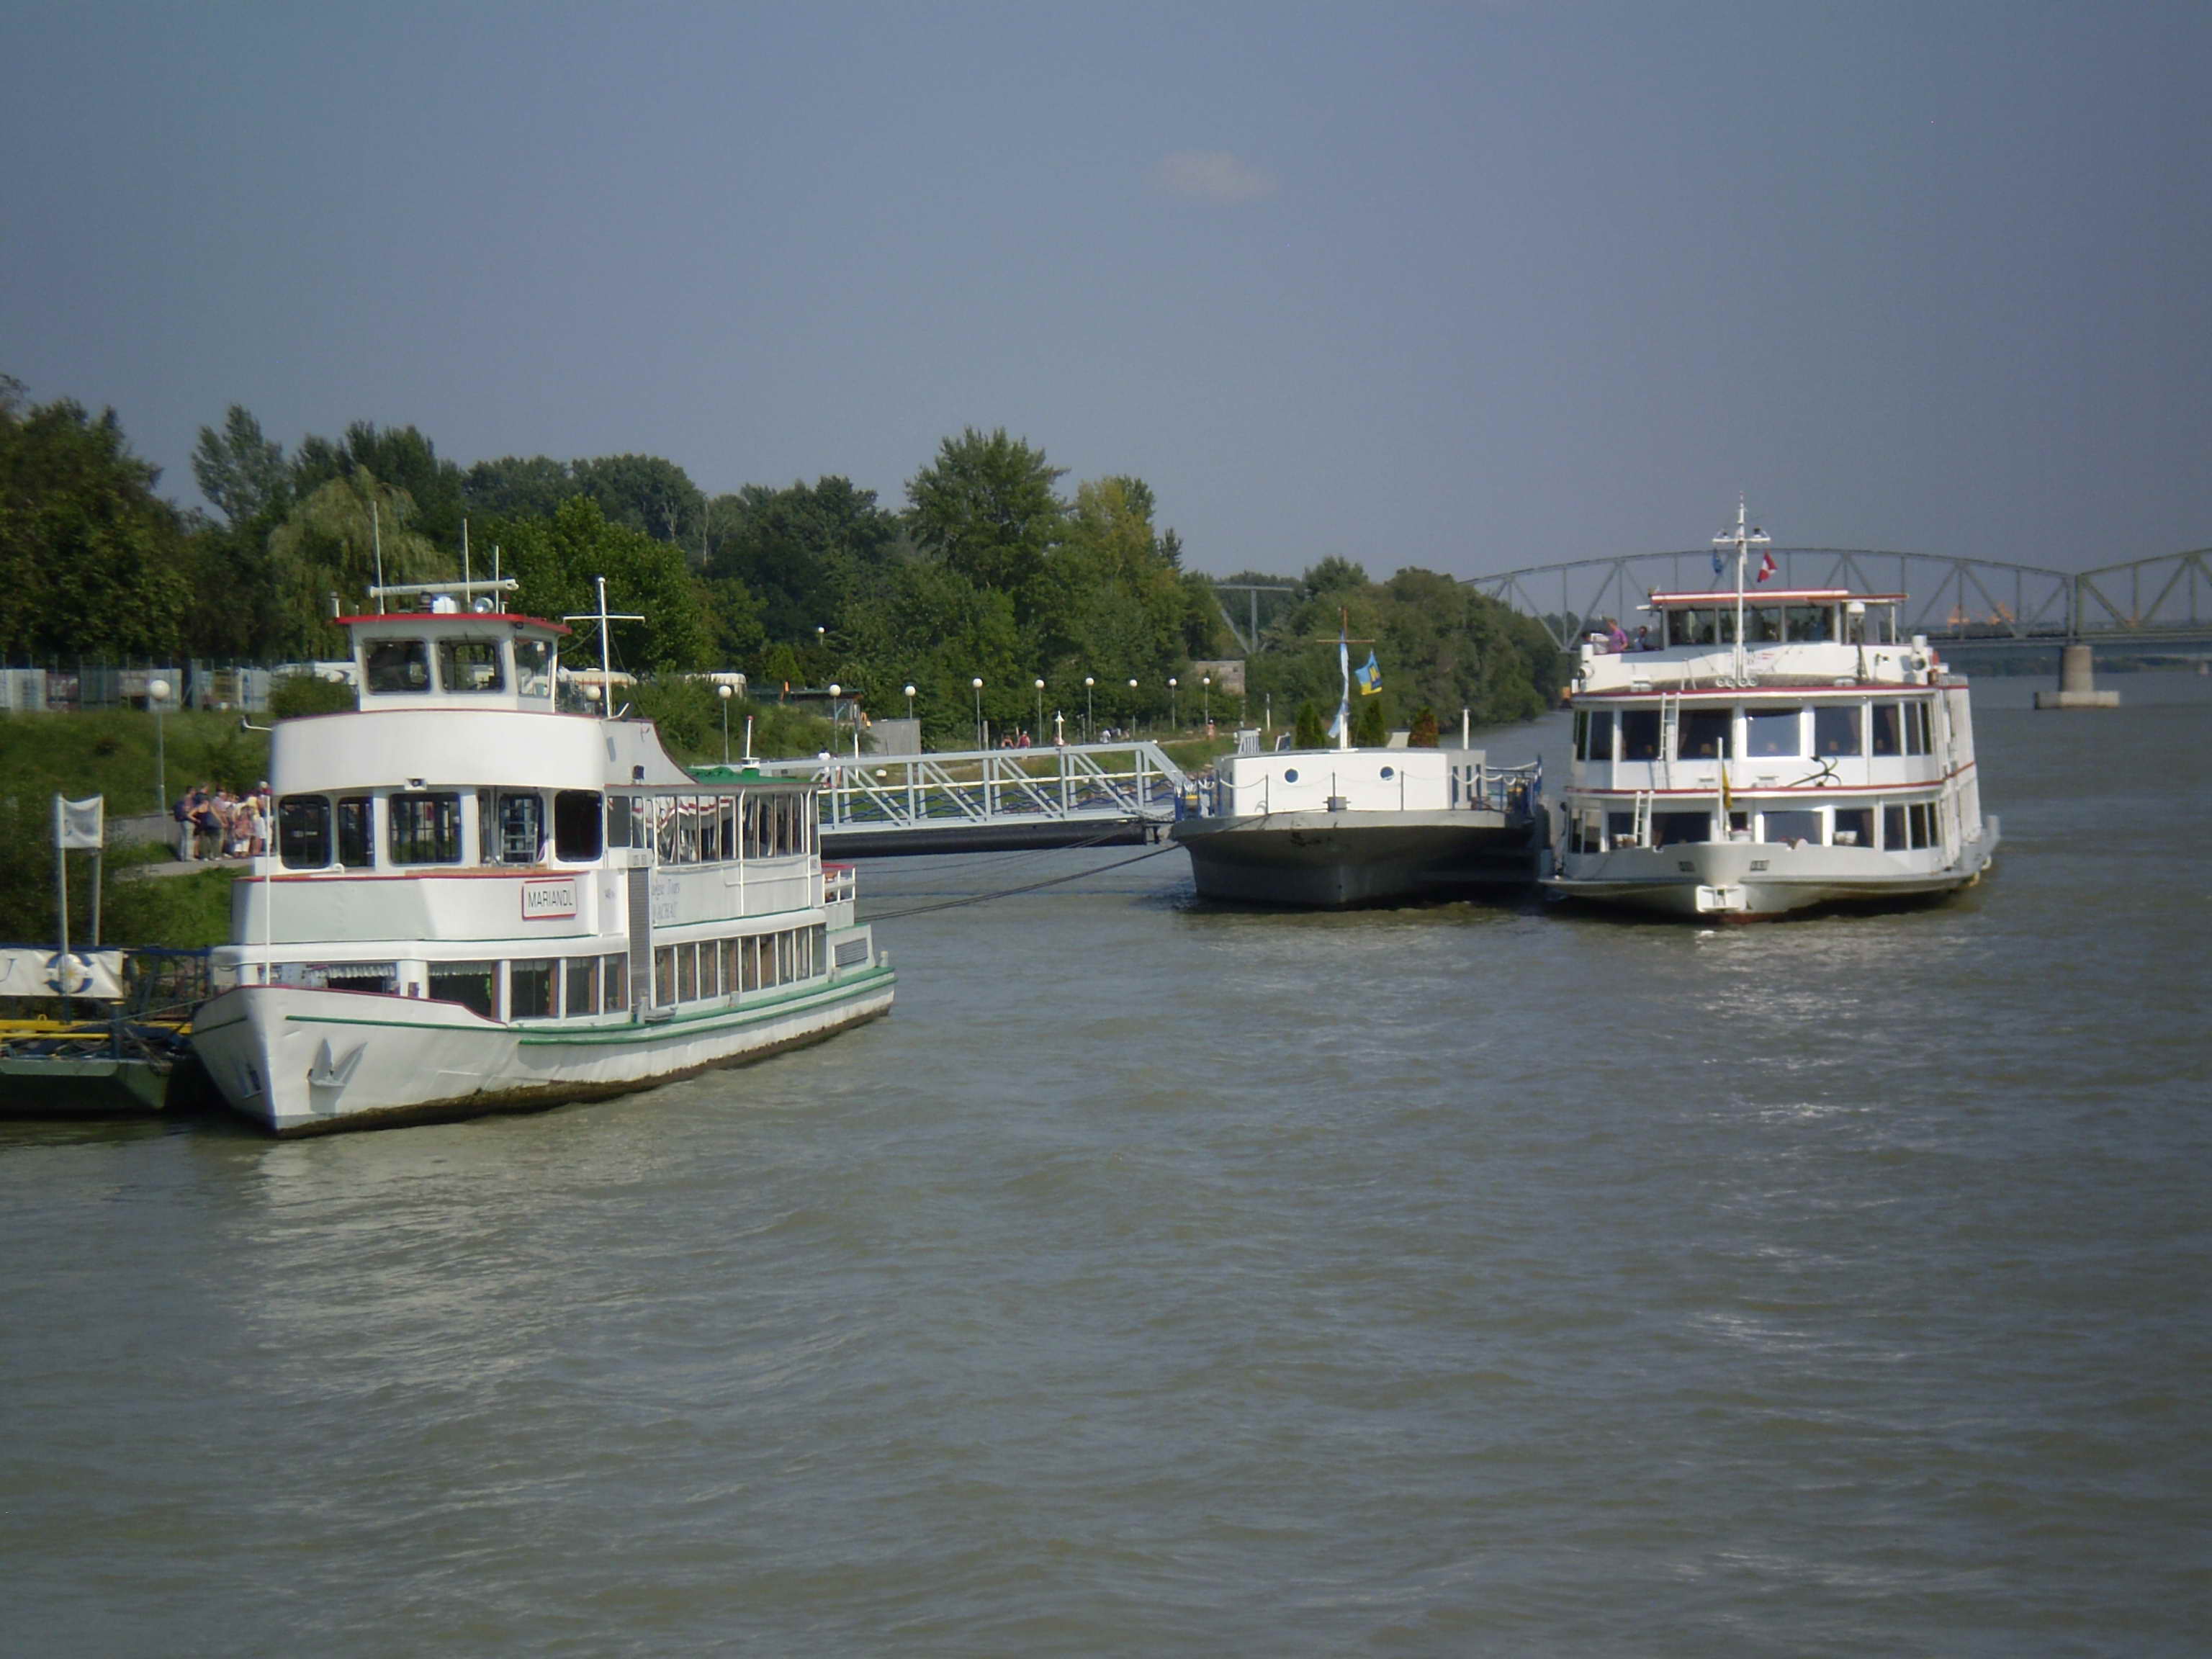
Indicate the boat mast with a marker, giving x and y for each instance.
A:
(603, 616)
(1743, 541)
(1343, 673)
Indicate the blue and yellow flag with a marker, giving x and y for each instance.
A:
(1370, 677)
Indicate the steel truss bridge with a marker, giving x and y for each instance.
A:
(968, 800)
(2165, 600)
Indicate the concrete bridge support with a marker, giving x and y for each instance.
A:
(2077, 683)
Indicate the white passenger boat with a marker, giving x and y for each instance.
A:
(1328, 829)
(1773, 751)
(479, 901)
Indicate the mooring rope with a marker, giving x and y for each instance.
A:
(1030, 887)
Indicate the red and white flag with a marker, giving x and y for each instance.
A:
(1765, 566)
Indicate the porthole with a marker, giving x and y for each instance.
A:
(1390, 772)
(1290, 775)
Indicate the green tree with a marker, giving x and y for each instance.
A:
(400, 458)
(644, 493)
(241, 472)
(555, 561)
(329, 550)
(91, 562)
(805, 553)
(987, 507)
(1424, 732)
(517, 487)
(1369, 727)
(1309, 732)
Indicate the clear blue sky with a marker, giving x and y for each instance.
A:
(1465, 287)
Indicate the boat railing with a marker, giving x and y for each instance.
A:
(1513, 792)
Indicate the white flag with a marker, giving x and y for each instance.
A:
(81, 825)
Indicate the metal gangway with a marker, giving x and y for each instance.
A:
(974, 799)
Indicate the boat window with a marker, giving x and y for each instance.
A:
(1769, 732)
(472, 984)
(397, 665)
(1921, 816)
(1916, 729)
(1701, 628)
(470, 665)
(1290, 775)
(1762, 624)
(577, 825)
(426, 829)
(710, 968)
(1854, 826)
(1836, 729)
(510, 826)
(1621, 829)
(1639, 734)
(1669, 827)
(664, 976)
(303, 832)
(1704, 734)
(1792, 826)
(1807, 621)
(356, 832)
(1888, 729)
(1894, 838)
(530, 990)
(1584, 830)
(617, 821)
(533, 668)
(614, 981)
(579, 988)
(687, 973)
(1593, 734)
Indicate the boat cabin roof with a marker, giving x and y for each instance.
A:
(1771, 596)
(444, 624)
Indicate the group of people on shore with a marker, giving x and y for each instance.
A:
(214, 824)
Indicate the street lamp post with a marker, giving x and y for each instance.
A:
(1132, 708)
(157, 693)
(1175, 719)
(836, 691)
(1087, 683)
(1206, 691)
(978, 686)
(909, 702)
(1040, 719)
(725, 693)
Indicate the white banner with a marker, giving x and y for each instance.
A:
(35, 973)
(81, 825)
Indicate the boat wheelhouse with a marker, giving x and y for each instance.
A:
(1768, 751)
(479, 900)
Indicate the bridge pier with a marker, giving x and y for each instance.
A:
(2076, 683)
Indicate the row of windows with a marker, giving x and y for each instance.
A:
(571, 987)
(715, 828)
(1904, 827)
(725, 967)
(314, 832)
(470, 667)
(1849, 730)
(1778, 624)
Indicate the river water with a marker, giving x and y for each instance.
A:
(1164, 1280)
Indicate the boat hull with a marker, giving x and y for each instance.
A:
(1335, 860)
(307, 1061)
(1716, 880)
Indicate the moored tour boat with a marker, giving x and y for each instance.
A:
(1329, 829)
(1774, 750)
(480, 901)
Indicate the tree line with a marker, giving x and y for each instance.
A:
(991, 570)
